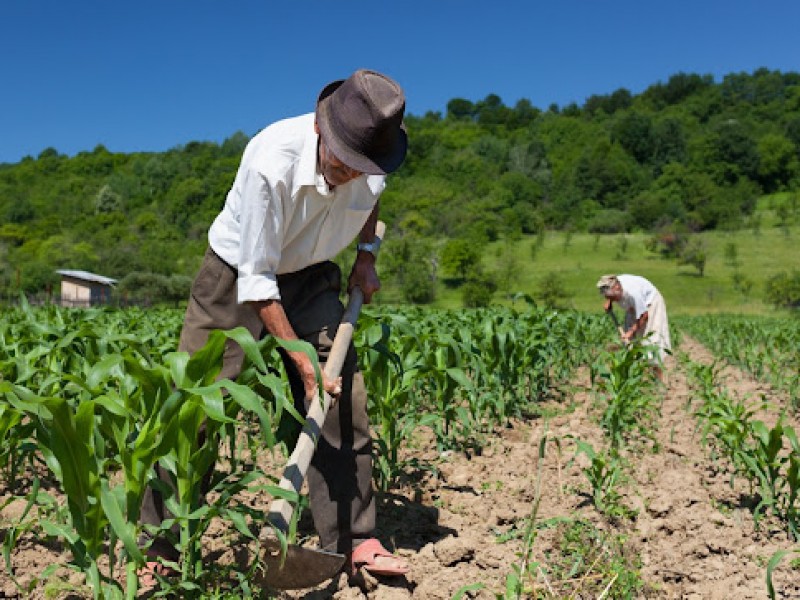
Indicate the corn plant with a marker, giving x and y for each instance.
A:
(768, 458)
(776, 471)
(773, 563)
(16, 445)
(102, 390)
(727, 421)
(46, 505)
(446, 384)
(764, 346)
(122, 412)
(392, 384)
(604, 473)
(624, 381)
(706, 378)
(197, 422)
(527, 568)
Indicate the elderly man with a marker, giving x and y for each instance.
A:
(305, 188)
(645, 312)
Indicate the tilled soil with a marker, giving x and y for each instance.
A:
(690, 533)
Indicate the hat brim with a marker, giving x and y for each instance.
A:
(377, 165)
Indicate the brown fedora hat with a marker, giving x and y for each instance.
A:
(361, 120)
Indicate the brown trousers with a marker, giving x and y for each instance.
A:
(340, 476)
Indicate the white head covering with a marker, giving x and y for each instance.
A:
(605, 283)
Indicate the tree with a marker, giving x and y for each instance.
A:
(459, 108)
(508, 271)
(735, 153)
(153, 288)
(20, 211)
(783, 290)
(178, 287)
(478, 291)
(419, 285)
(412, 265)
(732, 254)
(619, 100)
(604, 173)
(107, 200)
(552, 292)
(48, 153)
(460, 257)
(235, 144)
(793, 134)
(669, 142)
(670, 242)
(742, 284)
(679, 87)
(610, 220)
(524, 113)
(695, 254)
(634, 132)
(778, 163)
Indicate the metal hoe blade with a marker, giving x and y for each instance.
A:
(302, 567)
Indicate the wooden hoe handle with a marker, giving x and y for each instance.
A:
(280, 511)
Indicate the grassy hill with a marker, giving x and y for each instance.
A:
(579, 259)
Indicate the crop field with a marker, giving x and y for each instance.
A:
(520, 453)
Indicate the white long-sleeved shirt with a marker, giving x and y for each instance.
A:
(637, 293)
(280, 215)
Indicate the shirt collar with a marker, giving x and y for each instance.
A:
(307, 173)
(307, 167)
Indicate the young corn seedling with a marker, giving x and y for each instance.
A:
(773, 563)
(630, 405)
(391, 378)
(445, 381)
(604, 472)
(773, 463)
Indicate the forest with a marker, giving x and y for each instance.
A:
(687, 155)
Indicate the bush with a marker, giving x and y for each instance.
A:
(419, 286)
(694, 254)
(669, 242)
(609, 221)
(459, 257)
(478, 291)
(412, 264)
(783, 290)
(152, 288)
(552, 292)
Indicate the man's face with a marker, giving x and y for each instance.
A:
(334, 170)
(615, 292)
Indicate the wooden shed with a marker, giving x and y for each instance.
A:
(81, 288)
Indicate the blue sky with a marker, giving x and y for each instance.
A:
(149, 75)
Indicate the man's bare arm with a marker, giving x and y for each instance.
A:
(274, 317)
(363, 273)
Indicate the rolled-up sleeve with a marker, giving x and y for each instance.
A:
(261, 227)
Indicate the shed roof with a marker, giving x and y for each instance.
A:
(86, 276)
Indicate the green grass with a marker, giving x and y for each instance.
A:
(580, 259)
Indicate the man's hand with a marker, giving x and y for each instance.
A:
(638, 326)
(306, 369)
(364, 276)
(274, 318)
